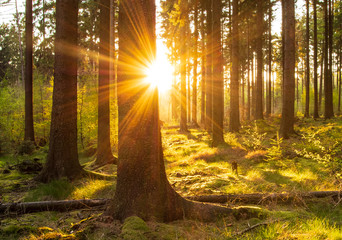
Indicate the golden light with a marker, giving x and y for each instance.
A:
(159, 74)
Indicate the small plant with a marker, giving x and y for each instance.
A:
(253, 139)
(275, 152)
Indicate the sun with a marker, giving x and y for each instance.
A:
(159, 74)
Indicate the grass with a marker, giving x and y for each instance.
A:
(266, 163)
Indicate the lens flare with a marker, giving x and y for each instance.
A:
(159, 74)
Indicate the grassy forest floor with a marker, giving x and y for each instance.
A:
(309, 161)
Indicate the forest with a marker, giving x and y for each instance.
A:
(170, 119)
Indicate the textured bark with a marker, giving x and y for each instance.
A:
(269, 85)
(194, 81)
(287, 119)
(259, 55)
(183, 55)
(315, 77)
(234, 120)
(217, 128)
(209, 68)
(62, 160)
(248, 112)
(104, 152)
(29, 130)
(328, 88)
(307, 62)
(203, 65)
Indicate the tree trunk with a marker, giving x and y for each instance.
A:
(203, 66)
(316, 114)
(104, 152)
(218, 101)
(307, 63)
(183, 51)
(269, 90)
(29, 130)
(328, 91)
(259, 41)
(234, 120)
(62, 160)
(248, 113)
(209, 70)
(194, 82)
(287, 119)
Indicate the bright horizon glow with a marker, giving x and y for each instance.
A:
(160, 73)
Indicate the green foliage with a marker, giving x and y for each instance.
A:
(323, 148)
(253, 138)
(275, 152)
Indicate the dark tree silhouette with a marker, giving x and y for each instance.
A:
(29, 129)
(104, 152)
(234, 120)
(259, 55)
(287, 119)
(218, 101)
(62, 160)
(209, 68)
(183, 53)
(307, 62)
(315, 81)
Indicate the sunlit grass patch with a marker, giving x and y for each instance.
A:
(91, 189)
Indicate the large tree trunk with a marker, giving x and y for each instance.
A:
(315, 80)
(62, 160)
(29, 130)
(307, 63)
(217, 128)
(203, 65)
(287, 119)
(328, 88)
(209, 69)
(260, 66)
(183, 56)
(104, 152)
(234, 120)
(269, 88)
(194, 82)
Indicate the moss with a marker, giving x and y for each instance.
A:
(134, 228)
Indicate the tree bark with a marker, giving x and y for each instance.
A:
(62, 160)
(316, 114)
(183, 56)
(287, 119)
(209, 69)
(104, 152)
(307, 63)
(203, 66)
(269, 89)
(234, 120)
(328, 88)
(194, 82)
(29, 129)
(260, 66)
(218, 101)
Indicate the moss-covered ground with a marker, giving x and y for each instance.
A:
(309, 161)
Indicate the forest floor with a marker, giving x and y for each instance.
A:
(309, 161)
